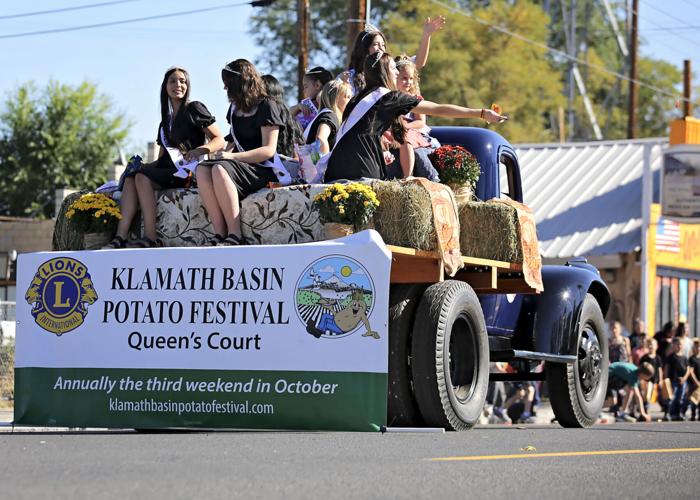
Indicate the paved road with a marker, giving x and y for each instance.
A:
(288, 465)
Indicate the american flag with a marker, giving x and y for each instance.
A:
(668, 236)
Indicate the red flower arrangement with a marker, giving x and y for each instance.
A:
(456, 166)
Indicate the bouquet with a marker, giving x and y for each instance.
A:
(352, 204)
(94, 213)
(456, 166)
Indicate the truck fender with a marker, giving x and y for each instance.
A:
(548, 322)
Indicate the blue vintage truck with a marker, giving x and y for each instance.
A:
(445, 333)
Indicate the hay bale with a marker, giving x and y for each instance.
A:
(66, 236)
(405, 215)
(489, 231)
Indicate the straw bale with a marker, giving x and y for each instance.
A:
(405, 215)
(489, 231)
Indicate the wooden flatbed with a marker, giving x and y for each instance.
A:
(409, 265)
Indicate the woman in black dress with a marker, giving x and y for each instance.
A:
(358, 153)
(248, 162)
(186, 126)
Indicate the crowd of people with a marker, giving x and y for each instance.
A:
(661, 369)
(664, 368)
(369, 122)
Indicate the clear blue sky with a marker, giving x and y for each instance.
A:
(128, 61)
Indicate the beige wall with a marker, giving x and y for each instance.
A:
(25, 235)
(625, 286)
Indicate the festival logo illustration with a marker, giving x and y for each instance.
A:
(334, 298)
(59, 294)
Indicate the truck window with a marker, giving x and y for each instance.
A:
(505, 176)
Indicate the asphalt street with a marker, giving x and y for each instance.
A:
(660, 460)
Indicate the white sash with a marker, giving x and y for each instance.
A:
(357, 113)
(308, 127)
(276, 164)
(178, 159)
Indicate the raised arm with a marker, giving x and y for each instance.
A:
(429, 27)
(454, 111)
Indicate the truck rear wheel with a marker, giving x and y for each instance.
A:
(577, 390)
(401, 405)
(450, 356)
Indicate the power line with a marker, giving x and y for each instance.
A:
(558, 52)
(126, 21)
(65, 9)
(665, 13)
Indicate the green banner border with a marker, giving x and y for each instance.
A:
(358, 403)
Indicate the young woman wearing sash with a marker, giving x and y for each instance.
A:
(378, 108)
(250, 160)
(333, 99)
(183, 132)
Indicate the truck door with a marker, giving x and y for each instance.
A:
(501, 311)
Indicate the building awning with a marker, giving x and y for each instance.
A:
(587, 197)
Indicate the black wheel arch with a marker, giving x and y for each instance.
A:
(548, 322)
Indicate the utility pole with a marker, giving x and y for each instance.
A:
(303, 23)
(632, 111)
(687, 104)
(357, 13)
(570, 35)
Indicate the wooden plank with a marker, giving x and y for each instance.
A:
(413, 269)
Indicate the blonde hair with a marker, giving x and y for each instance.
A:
(405, 62)
(328, 97)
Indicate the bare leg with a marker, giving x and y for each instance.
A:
(206, 193)
(129, 206)
(407, 158)
(146, 191)
(227, 198)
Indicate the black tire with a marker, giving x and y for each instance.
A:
(450, 356)
(402, 408)
(577, 390)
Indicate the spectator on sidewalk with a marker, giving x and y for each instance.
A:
(652, 357)
(638, 335)
(664, 338)
(677, 370)
(683, 333)
(625, 377)
(694, 381)
(496, 396)
(641, 349)
(619, 347)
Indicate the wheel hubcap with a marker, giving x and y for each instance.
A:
(590, 360)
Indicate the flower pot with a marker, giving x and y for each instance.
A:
(463, 193)
(95, 241)
(336, 230)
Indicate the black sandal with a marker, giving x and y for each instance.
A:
(145, 243)
(214, 241)
(233, 240)
(116, 243)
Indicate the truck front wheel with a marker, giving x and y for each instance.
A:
(450, 356)
(577, 390)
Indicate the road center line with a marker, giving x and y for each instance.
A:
(565, 454)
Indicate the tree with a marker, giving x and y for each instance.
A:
(61, 136)
(275, 28)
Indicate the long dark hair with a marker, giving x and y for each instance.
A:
(244, 85)
(165, 99)
(290, 134)
(377, 70)
(360, 51)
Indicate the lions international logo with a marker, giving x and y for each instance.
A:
(59, 294)
(334, 298)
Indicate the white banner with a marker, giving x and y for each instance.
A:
(311, 307)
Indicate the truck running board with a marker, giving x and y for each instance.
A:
(510, 354)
